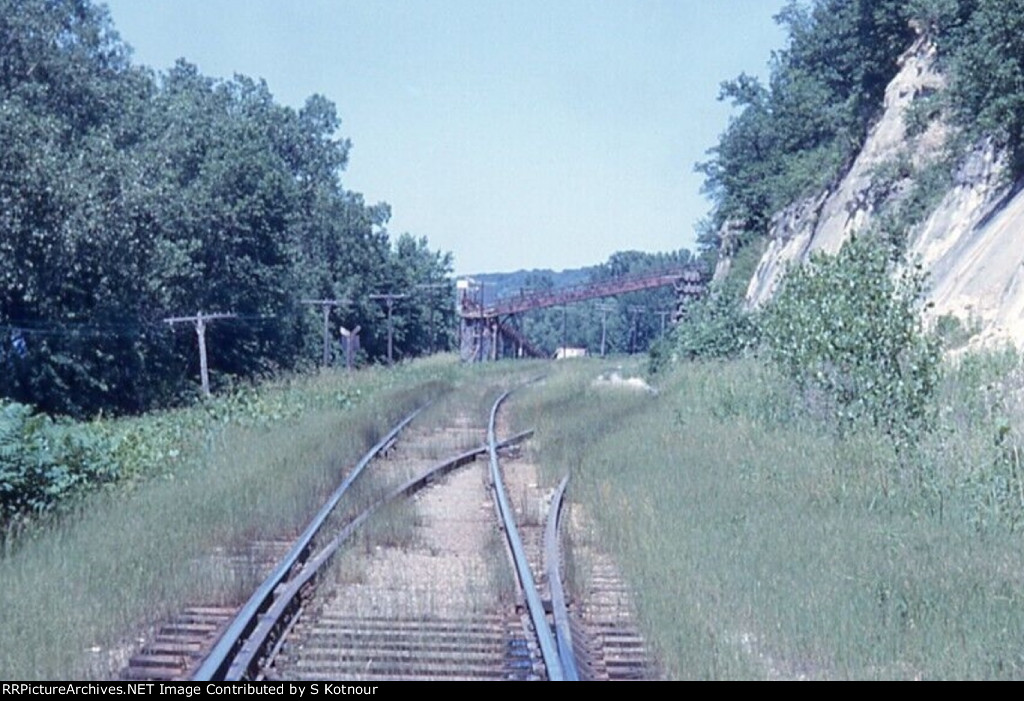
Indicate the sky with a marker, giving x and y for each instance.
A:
(517, 135)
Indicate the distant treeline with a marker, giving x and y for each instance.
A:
(128, 196)
(630, 323)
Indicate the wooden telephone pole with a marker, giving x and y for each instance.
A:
(664, 313)
(327, 304)
(604, 308)
(200, 320)
(390, 299)
(565, 330)
(634, 334)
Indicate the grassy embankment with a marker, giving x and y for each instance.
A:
(764, 545)
(232, 473)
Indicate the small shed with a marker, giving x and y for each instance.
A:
(568, 352)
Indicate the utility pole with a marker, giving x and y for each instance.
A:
(432, 286)
(200, 320)
(565, 330)
(663, 313)
(636, 311)
(327, 304)
(482, 333)
(604, 308)
(390, 298)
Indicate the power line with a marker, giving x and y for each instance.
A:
(78, 330)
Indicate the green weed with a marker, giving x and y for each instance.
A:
(762, 544)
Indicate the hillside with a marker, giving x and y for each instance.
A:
(968, 242)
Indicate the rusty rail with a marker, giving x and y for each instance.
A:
(548, 648)
(260, 643)
(216, 664)
(559, 609)
(248, 661)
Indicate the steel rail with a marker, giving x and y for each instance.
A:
(247, 661)
(563, 633)
(549, 650)
(216, 664)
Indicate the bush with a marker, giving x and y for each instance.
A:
(715, 327)
(924, 110)
(43, 461)
(846, 329)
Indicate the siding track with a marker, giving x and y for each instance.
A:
(352, 600)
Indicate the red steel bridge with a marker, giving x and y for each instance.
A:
(489, 331)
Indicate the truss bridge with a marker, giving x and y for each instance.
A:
(490, 331)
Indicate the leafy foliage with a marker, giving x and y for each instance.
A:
(718, 325)
(128, 197)
(794, 135)
(925, 108)
(850, 337)
(43, 461)
(715, 327)
(988, 73)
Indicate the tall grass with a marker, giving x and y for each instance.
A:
(76, 588)
(765, 545)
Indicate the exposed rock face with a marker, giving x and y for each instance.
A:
(972, 245)
(727, 238)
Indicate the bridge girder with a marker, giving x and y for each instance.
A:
(482, 329)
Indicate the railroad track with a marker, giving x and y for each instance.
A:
(610, 647)
(440, 606)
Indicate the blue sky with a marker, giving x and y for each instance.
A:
(527, 134)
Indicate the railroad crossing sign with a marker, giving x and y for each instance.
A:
(350, 340)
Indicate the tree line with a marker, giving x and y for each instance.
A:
(128, 196)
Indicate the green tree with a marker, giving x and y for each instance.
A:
(847, 330)
(68, 98)
(716, 326)
(795, 135)
(127, 197)
(988, 75)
